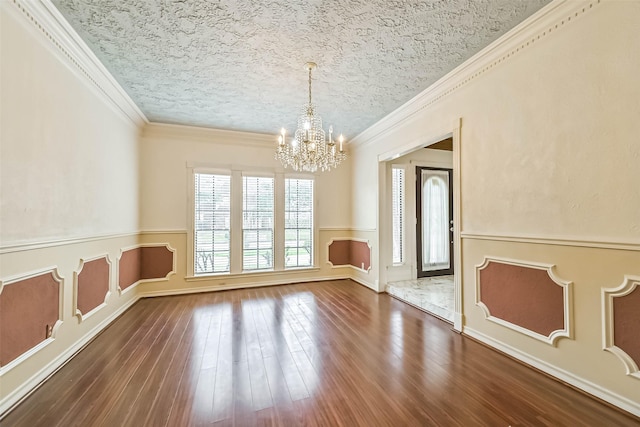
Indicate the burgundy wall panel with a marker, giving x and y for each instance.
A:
(626, 322)
(524, 296)
(93, 284)
(146, 262)
(27, 309)
(360, 255)
(129, 268)
(350, 252)
(339, 252)
(156, 262)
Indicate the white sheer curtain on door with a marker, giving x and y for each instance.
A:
(435, 220)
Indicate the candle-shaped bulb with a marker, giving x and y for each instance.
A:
(341, 139)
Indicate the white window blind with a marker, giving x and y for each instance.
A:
(397, 213)
(298, 220)
(257, 224)
(212, 223)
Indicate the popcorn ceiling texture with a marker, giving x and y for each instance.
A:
(240, 65)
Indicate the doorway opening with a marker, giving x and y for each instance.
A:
(424, 204)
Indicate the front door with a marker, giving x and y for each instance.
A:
(434, 211)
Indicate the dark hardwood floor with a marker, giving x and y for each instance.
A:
(317, 354)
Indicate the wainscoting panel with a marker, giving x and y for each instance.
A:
(91, 285)
(349, 251)
(526, 297)
(148, 262)
(621, 323)
(29, 313)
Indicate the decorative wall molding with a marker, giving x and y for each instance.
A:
(25, 389)
(50, 335)
(32, 245)
(541, 24)
(142, 274)
(582, 242)
(551, 339)
(76, 281)
(48, 21)
(631, 406)
(629, 285)
(351, 261)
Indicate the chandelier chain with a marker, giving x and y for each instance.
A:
(309, 85)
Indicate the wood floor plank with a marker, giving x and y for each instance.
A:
(310, 354)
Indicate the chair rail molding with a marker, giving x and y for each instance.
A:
(567, 295)
(574, 241)
(629, 285)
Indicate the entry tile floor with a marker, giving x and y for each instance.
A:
(432, 294)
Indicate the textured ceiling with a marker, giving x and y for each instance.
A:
(239, 65)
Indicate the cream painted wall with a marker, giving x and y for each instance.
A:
(68, 185)
(68, 161)
(169, 152)
(549, 155)
(166, 150)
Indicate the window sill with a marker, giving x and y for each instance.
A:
(263, 273)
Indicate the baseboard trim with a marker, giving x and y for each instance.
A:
(621, 402)
(32, 384)
(364, 283)
(232, 286)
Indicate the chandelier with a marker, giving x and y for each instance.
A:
(308, 150)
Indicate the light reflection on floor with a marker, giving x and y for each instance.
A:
(432, 294)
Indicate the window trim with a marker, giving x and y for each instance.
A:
(236, 172)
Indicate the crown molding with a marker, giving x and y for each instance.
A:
(542, 23)
(61, 37)
(165, 131)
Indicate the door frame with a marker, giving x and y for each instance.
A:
(384, 255)
(419, 248)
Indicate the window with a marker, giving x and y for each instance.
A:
(250, 221)
(212, 223)
(397, 213)
(257, 223)
(298, 223)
